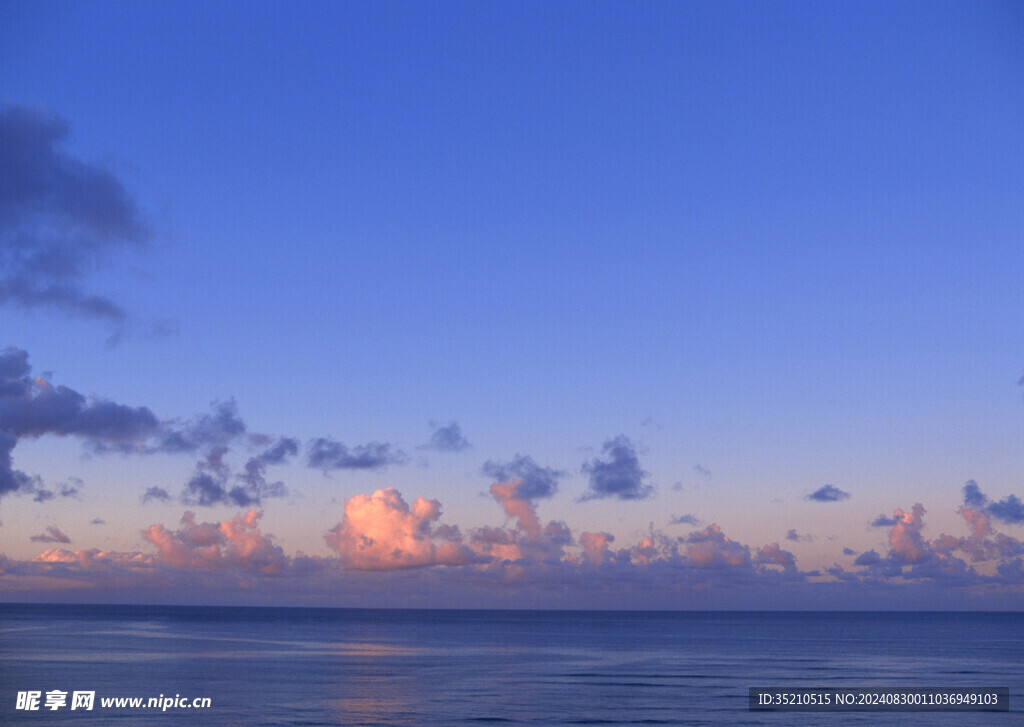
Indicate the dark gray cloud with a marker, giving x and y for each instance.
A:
(828, 493)
(883, 522)
(12, 480)
(849, 551)
(208, 430)
(702, 471)
(59, 216)
(535, 482)
(279, 451)
(973, 496)
(63, 490)
(207, 486)
(52, 535)
(795, 537)
(868, 558)
(33, 407)
(97, 521)
(155, 494)
(447, 438)
(255, 486)
(617, 475)
(326, 454)
(1010, 509)
(211, 483)
(684, 520)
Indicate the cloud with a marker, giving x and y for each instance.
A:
(912, 557)
(207, 485)
(507, 494)
(534, 481)
(795, 537)
(710, 548)
(391, 553)
(255, 486)
(1009, 510)
(529, 543)
(684, 520)
(772, 554)
(326, 454)
(155, 494)
(446, 438)
(208, 430)
(849, 551)
(868, 558)
(595, 547)
(905, 540)
(702, 471)
(280, 451)
(382, 532)
(53, 535)
(973, 495)
(210, 483)
(883, 522)
(59, 216)
(33, 407)
(828, 493)
(619, 474)
(64, 490)
(97, 521)
(234, 543)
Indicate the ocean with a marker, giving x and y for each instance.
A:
(296, 666)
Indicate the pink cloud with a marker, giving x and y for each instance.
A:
(519, 508)
(215, 546)
(595, 547)
(710, 547)
(530, 540)
(905, 538)
(381, 532)
(94, 558)
(772, 554)
(983, 544)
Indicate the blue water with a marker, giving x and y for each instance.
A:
(286, 666)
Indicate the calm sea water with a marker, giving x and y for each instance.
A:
(286, 666)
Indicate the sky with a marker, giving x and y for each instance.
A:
(512, 304)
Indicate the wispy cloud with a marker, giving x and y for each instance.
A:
(684, 520)
(327, 454)
(59, 216)
(446, 438)
(52, 535)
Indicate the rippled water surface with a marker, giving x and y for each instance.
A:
(288, 666)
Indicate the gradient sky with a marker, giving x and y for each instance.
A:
(658, 304)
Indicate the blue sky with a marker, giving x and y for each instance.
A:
(770, 247)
